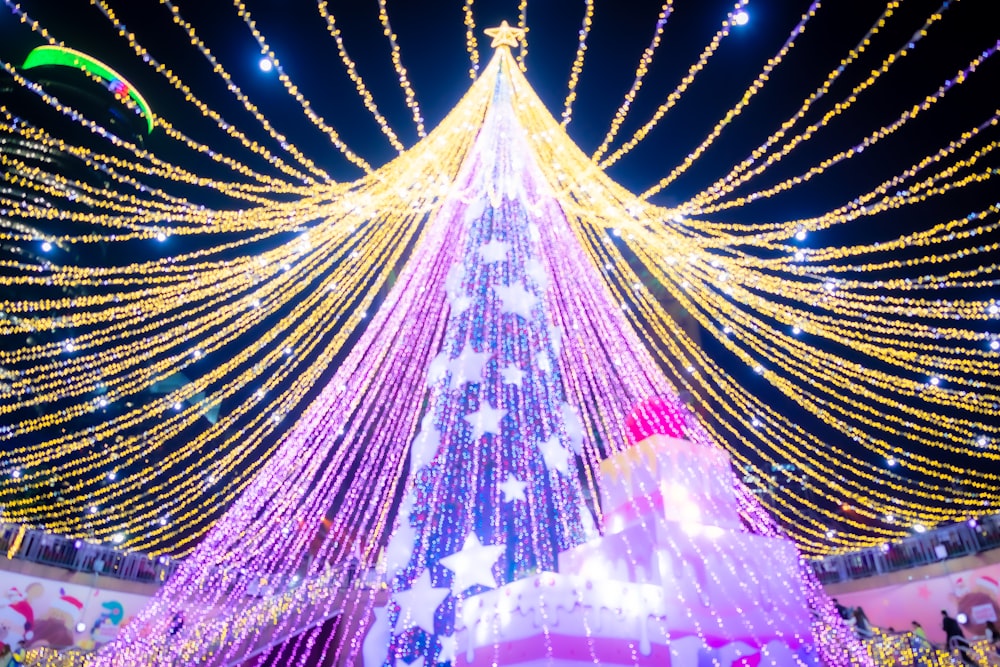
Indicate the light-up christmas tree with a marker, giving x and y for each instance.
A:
(501, 342)
(493, 489)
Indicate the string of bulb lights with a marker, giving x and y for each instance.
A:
(891, 344)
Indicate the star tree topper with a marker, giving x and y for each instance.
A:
(504, 35)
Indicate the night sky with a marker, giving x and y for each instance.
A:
(431, 37)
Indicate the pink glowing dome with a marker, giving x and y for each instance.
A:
(654, 416)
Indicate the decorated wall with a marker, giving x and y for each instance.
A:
(974, 592)
(41, 612)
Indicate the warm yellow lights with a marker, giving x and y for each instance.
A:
(504, 35)
(577, 67)
(233, 296)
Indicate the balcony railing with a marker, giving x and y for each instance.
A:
(954, 541)
(38, 546)
(962, 539)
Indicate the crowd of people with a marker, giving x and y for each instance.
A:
(956, 641)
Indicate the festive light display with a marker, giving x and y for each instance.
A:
(150, 395)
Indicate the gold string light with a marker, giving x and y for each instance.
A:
(359, 84)
(203, 108)
(471, 44)
(397, 63)
(868, 341)
(640, 75)
(577, 68)
(522, 25)
(678, 92)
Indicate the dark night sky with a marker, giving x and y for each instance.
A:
(432, 42)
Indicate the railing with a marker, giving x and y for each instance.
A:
(954, 541)
(962, 539)
(38, 546)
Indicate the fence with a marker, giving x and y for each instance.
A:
(38, 546)
(960, 539)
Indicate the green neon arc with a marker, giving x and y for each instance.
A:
(66, 57)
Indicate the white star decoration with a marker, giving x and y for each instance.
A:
(473, 564)
(418, 604)
(534, 270)
(574, 428)
(460, 304)
(453, 281)
(400, 547)
(516, 299)
(587, 519)
(379, 634)
(494, 251)
(543, 362)
(512, 375)
(409, 502)
(437, 369)
(468, 366)
(534, 233)
(513, 489)
(426, 444)
(449, 645)
(476, 208)
(555, 337)
(485, 420)
(556, 456)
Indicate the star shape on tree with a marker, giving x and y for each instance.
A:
(460, 304)
(379, 634)
(456, 276)
(409, 502)
(485, 420)
(449, 645)
(536, 271)
(512, 375)
(477, 206)
(494, 251)
(467, 366)
(543, 362)
(438, 368)
(473, 565)
(505, 35)
(574, 427)
(534, 233)
(556, 456)
(418, 603)
(400, 547)
(516, 299)
(555, 337)
(513, 489)
(426, 444)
